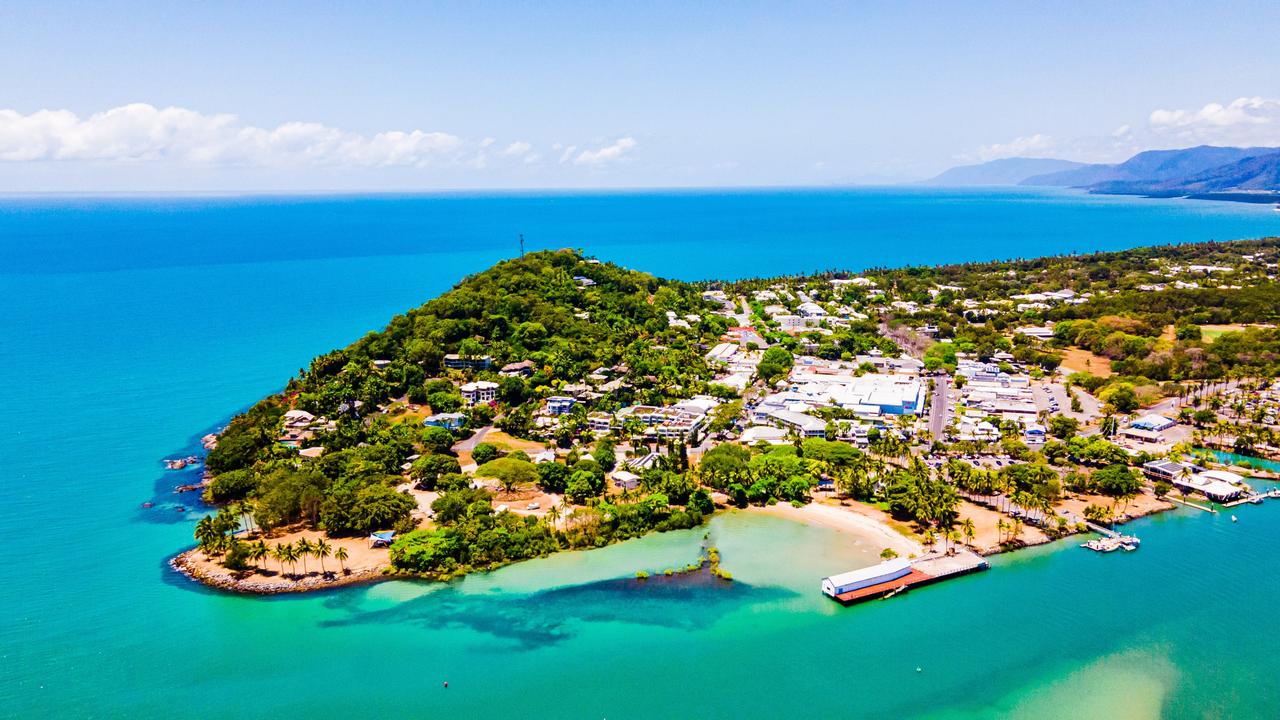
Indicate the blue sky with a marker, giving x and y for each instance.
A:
(264, 96)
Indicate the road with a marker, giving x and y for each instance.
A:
(470, 443)
(938, 405)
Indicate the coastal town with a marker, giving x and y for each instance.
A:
(940, 415)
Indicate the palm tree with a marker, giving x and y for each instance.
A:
(953, 537)
(341, 555)
(1127, 498)
(1021, 499)
(303, 549)
(244, 511)
(1001, 526)
(322, 550)
(295, 554)
(553, 515)
(1108, 425)
(1186, 472)
(969, 531)
(1046, 508)
(258, 552)
(283, 553)
(206, 534)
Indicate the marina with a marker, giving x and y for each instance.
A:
(1255, 498)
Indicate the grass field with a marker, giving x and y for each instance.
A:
(1078, 360)
(401, 412)
(506, 442)
(1213, 332)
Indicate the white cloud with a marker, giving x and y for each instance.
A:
(517, 149)
(1243, 121)
(144, 133)
(1038, 145)
(140, 133)
(523, 151)
(606, 154)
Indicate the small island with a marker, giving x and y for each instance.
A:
(555, 402)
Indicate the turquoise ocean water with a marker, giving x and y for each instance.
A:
(131, 326)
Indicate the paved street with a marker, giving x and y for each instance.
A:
(938, 405)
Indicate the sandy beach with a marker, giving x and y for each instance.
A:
(363, 564)
(1145, 503)
(850, 520)
(986, 530)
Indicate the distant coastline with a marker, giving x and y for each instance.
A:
(1264, 198)
(1229, 174)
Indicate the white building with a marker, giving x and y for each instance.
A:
(811, 310)
(764, 433)
(676, 421)
(1153, 422)
(1217, 485)
(560, 404)
(298, 418)
(625, 480)
(823, 385)
(806, 425)
(792, 323)
(600, 422)
(1040, 333)
(479, 392)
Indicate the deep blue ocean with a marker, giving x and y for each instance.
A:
(133, 325)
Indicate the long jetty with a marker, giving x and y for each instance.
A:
(926, 570)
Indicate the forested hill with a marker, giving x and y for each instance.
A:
(566, 314)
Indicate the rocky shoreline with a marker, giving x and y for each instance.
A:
(244, 582)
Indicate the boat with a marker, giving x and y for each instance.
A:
(1233, 519)
(1101, 545)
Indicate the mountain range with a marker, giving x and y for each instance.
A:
(1008, 171)
(1249, 173)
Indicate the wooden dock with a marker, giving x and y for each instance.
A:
(1111, 540)
(1188, 503)
(1254, 498)
(926, 570)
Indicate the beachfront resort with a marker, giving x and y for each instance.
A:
(555, 402)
